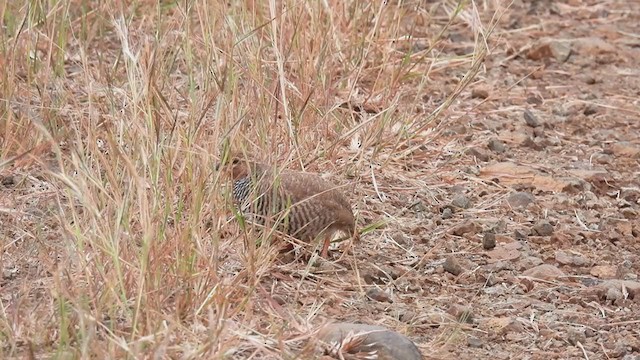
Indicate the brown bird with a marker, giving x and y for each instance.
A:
(302, 204)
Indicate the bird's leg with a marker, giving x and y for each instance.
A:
(325, 247)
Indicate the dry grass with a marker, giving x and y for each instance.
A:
(115, 238)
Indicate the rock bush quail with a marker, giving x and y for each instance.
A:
(302, 204)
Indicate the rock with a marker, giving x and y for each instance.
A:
(408, 316)
(560, 50)
(590, 110)
(480, 92)
(520, 235)
(544, 272)
(506, 251)
(631, 194)
(489, 240)
(632, 288)
(360, 339)
(604, 271)
(468, 227)
(461, 313)
(400, 238)
(520, 199)
(7, 181)
(614, 294)
(590, 46)
(602, 159)
(550, 48)
(542, 228)
(447, 213)
(529, 262)
(461, 201)
(575, 336)
(478, 154)
(502, 325)
(496, 146)
(566, 258)
(452, 266)
(378, 295)
(530, 119)
(475, 342)
(623, 149)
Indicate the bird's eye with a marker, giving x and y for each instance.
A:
(235, 161)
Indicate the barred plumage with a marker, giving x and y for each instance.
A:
(303, 204)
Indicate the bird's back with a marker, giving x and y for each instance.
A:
(312, 205)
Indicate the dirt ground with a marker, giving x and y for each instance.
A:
(511, 231)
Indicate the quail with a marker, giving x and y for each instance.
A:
(302, 204)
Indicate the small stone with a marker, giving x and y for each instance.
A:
(602, 159)
(623, 149)
(468, 227)
(452, 266)
(532, 99)
(480, 93)
(461, 313)
(478, 154)
(530, 119)
(529, 262)
(378, 295)
(542, 228)
(279, 299)
(538, 134)
(520, 199)
(7, 181)
(575, 336)
(520, 235)
(550, 48)
(604, 271)
(400, 238)
(473, 170)
(590, 110)
(489, 240)
(503, 325)
(496, 146)
(475, 342)
(544, 272)
(363, 339)
(447, 213)
(629, 213)
(572, 259)
(461, 201)
(560, 50)
(613, 294)
(408, 316)
(630, 194)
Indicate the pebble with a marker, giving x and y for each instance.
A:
(452, 266)
(447, 213)
(378, 295)
(520, 199)
(496, 146)
(461, 201)
(489, 240)
(468, 227)
(461, 313)
(544, 272)
(590, 110)
(542, 228)
(479, 93)
(530, 119)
